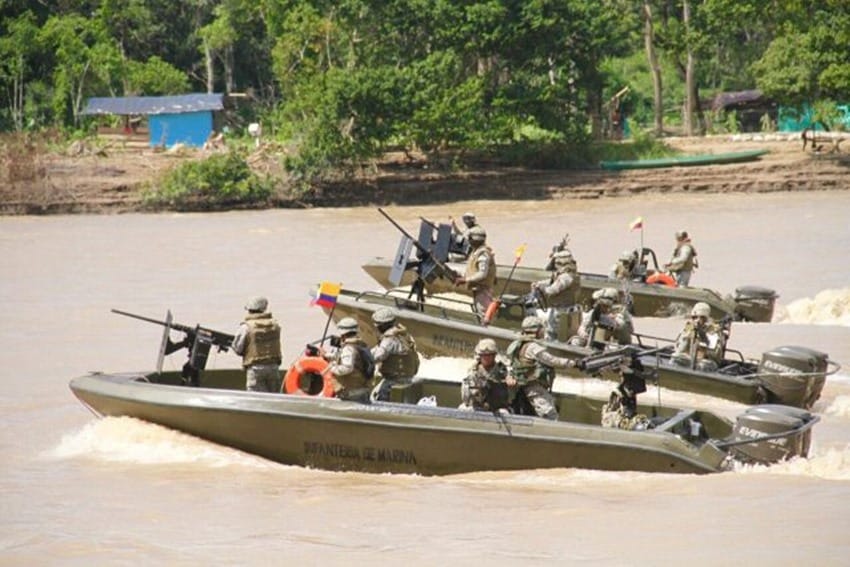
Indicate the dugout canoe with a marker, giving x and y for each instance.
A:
(749, 303)
(685, 161)
(398, 437)
(789, 375)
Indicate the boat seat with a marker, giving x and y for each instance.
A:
(676, 420)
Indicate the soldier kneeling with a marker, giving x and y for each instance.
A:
(486, 385)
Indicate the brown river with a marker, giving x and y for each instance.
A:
(75, 490)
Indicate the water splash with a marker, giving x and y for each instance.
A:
(130, 440)
(840, 407)
(832, 464)
(829, 307)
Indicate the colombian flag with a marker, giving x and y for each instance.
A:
(326, 294)
(636, 224)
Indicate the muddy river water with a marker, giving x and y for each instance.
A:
(75, 490)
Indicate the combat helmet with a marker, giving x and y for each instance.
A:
(603, 296)
(563, 258)
(486, 346)
(477, 234)
(468, 218)
(701, 309)
(627, 256)
(257, 304)
(681, 234)
(384, 316)
(531, 323)
(347, 325)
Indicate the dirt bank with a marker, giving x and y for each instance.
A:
(111, 181)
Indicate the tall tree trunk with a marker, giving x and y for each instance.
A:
(690, 80)
(654, 67)
(208, 61)
(228, 69)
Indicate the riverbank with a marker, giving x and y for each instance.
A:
(112, 181)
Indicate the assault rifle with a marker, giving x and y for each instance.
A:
(197, 339)
(562, 245)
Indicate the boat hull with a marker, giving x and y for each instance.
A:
(393, 437)
(683, 161)
(648, 300)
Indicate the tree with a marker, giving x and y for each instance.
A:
(16, 49)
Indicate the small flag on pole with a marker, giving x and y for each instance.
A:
(520, 251)
(636, 224)
(326, 294)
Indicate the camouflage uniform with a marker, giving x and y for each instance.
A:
(613, 325)
(617, 415)
(560, 292)
(695, 342)
(396, 360)
(485, 390)
(684, 259)
(258, 342)
(480, 276)
(350, 369)
(534, 368)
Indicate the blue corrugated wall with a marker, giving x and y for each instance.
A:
(190, 128)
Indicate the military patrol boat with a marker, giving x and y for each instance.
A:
(403, 436)
(749, 303)
(650, 291)
(789, 375)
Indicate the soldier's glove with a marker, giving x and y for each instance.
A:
(335, 341)
(581, 364)
(311, 350)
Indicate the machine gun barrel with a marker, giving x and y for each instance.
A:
(219, 339)
(598, 362)
(445, 270)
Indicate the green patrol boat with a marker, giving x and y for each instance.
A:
(402, 436)
(789, 375)
(749, 303)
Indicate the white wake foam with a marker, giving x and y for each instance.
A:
(129, 440)
(829, 307)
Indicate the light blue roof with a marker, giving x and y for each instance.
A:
(177, 104)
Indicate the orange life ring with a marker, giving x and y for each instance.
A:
(662, 279)
(308, 365)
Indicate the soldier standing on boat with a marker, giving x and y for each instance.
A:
(608, 322)
(559, 292)
(258, 343)
(395, 355)
(702, 342)
(684, 260)
(486, 385)
(460, 247)
(480, 276)
(352, 367)
(533, 368)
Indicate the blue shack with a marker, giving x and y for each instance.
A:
(180, 119)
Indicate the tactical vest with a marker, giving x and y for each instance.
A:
(472, 268)
(691, 261)
(364, 366)
(398, 366)
(698, 349)
(262, 345)
(524, 368)
(568, 296)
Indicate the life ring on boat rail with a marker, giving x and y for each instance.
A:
(303, 367)
(661, 278)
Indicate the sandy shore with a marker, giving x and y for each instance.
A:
(112, 181)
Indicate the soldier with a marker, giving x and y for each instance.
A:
(459, 249)
(559, 292)
(258, 342)
(684, 260)
(351, 365)
(395, 354)
(608, 322)
(533, 368)
(626, 267)
(702, 342)
(486, 385)
(621, 410)
(480, 276)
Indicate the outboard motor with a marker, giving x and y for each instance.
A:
(786, 431)
(793, 375)
(754, 303)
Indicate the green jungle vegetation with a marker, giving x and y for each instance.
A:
(338, 83)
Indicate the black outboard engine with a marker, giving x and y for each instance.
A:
(754, 303)
(785, 432)
(793, 375)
